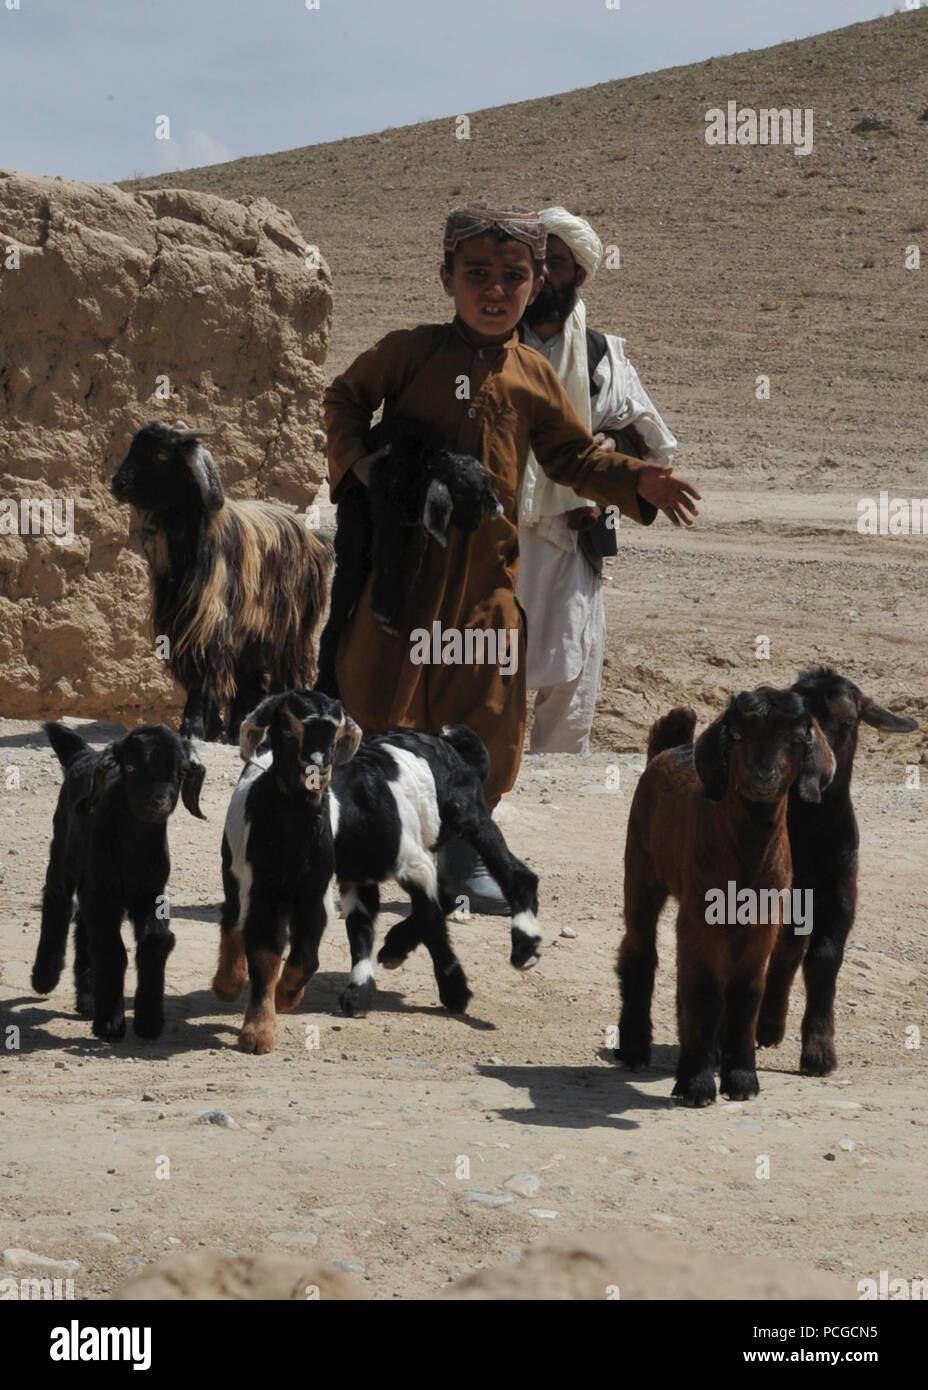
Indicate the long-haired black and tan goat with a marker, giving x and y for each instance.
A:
(110, 848)
(318, 802)
(708, 825)
(823, 839)
(239, 588)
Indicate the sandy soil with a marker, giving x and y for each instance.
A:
(352, 1148)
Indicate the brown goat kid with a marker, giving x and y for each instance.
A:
(706, 817)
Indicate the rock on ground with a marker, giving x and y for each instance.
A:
(209, 1274)
(630, 1264)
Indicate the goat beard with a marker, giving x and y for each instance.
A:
(551, 305)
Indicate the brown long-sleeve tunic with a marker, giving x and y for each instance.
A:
(492, 402)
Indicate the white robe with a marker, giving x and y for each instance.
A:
(561, 593)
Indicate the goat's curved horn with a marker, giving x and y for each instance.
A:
(200, 463)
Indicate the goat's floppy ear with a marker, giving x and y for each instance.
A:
(349, 737)
(255, 725)
(200, 463)
(192, 780)
(111, 759)
(710, 756)
(880, 718)
(818, 764)
(436, 510)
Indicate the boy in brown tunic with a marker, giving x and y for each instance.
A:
(492, 397)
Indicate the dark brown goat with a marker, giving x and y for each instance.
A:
(823, 840)
(707, 822)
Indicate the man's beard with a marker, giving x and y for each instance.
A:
(552, 305)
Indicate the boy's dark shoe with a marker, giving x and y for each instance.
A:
(465, 875)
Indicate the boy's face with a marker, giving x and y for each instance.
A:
(491, 284)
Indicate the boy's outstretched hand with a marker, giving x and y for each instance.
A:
(675, 497)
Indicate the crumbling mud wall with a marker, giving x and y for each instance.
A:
(117, 308)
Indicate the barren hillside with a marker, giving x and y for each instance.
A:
(735, 262)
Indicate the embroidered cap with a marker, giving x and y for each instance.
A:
(523, 224)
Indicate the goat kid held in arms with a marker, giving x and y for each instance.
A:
(420, 482)
(705, 816)
(491, 397)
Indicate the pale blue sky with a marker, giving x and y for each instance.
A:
(82, 81)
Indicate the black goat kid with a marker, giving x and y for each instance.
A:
(823, 841)
(109, 846)
(417, 490)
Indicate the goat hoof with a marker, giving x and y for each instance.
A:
(697, 1092)
(396, 947)
(227, 988)
(740, 1085)
(635, 1057)
(357, 999)
(148, 1025)
(285, 1000)
(818, 1058)
(110, 1029)
(526, 951)
(770, 1032)
(389, 962)
(453, 991)
(259, 1041)
(84, 1004)
(44, 981)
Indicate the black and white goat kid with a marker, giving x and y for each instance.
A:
(417, 490)
(110, 848)
(391, 800)
(278, 857)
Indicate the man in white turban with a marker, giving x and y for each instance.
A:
(562, 537)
